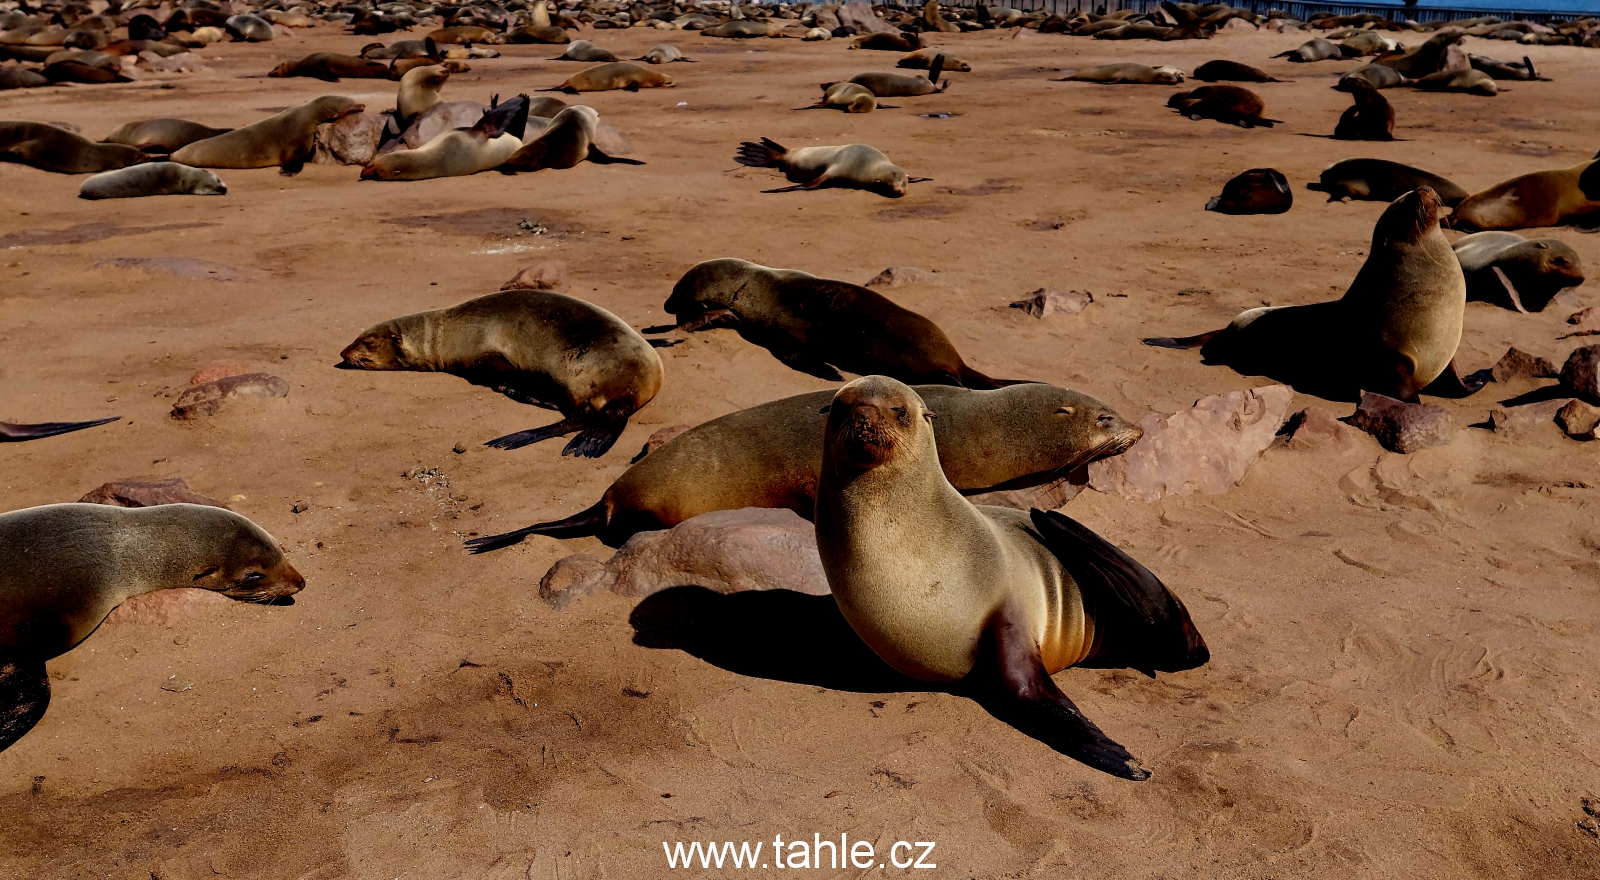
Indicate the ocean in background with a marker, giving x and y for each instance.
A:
(1531, 5)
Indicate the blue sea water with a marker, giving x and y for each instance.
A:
(1531, 5)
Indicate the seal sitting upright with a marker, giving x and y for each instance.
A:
(990, 599)
(64, 567)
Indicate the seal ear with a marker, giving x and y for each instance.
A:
(930, 416)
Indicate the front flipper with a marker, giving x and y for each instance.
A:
(1009, 680)
(1146, 627)
(600, 432)
(548, 432)
(14, 433)
(805, 363)
(600, 158)
(710, 320)
(24, 695)
(1453, 385)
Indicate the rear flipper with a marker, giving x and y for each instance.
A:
(600, 432)
(24, 695)
(1452, 384)
(580, 525)
(601, 158)
(548, 432)
(1181, 342)
(766, 154)
(1009, 680)
(14, 433)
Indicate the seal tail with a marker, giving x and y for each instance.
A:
(766, 154)
(1180, 342)
(14, 433)
(583, 524)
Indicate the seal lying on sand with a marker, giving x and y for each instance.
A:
(1124, 73)
(285, 141)
(1543, 198)
(534, 347)
(1394, 332)
(496, 137)
(1507, 269)
(152, 179)
(49, 148)
(770, 456)
(162, 135)
(1382, 181)
(856, 166)
(1231, 104)
(566, 141)
(988, 599)
(64, 567)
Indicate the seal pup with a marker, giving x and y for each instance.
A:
(162, 135)
(815, 325)
(1233, 105)
(1232, 71)
(1257, 191)
(894, 85)
(856, 166)
(1544, 198)
(989, 600)
(1382, 181)
(583, 50)
(1394, 332)
(332, 67)
(152, 179)
(662, 54)
(1123, 74)
(566, 141)
(616, 75)
(1506, 269)
(48, 148)
(11, 432)
(248, 29)
(1376, 75)
(285, 140)
(535, 347)
(64, 567)
(1370, 118)
(496, 137)
(770, 455)
(1316, 49)
(849, 97)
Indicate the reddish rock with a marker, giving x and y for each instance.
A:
(860, 15)
(660, 438)
(1207, 448)
(571, 578)
(1590, 315)
(218, 370)
(1403, 427)
(900, 276)
(167, 607)
(1518, 364)
(1514, 421)
(350, 140)
(1314, 428)
(133, 493)
(1581, 372)
(1578, 420)
(197, 401)
(549, 275)
(1043, 303)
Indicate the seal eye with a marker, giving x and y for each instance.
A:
(251, 577)
(1104, 419)
(1067, 411)
(210, 570)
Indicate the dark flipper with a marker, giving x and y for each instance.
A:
(292, 167)
(1148, 628)
(14, 433)
(977, 381)
(659, 328)
(1453, 385)
(665, 343)
(580, 525)
(600, 432)
(601, 158)
(24, 695)
(1009, 680)
(1183, 342)
(711, 320)
(548, 432)
(796, 360)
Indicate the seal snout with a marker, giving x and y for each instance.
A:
(268, 584)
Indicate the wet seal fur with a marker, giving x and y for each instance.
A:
(1394, 332)
(152, 179)
(987, 600)
(535, 347)
(770, 455)
(816, 324)
(64, 567)
(286, 140)
(1380, 180)
(1232, 71)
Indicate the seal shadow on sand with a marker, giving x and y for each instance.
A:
(780, 635)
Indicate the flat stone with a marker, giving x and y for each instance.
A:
(900, 276)
(1403, 427)
(135, 493)
(1581, 372)
(1578, 420)
(549, 275)
(571, 578)
(1207, 448)
(1518, 364)
(218, 370)
(1590, 315)
(660, 438)
(197, 401)
(1315, 428)
(1515, 421)
(1044, 302)
(351, 140)
(167, 607)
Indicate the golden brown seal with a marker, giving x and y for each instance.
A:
(285, 141)
(49, 148)
(1543, 198)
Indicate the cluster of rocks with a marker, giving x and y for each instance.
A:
(217, 385)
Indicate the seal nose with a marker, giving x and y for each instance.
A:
(284, 580)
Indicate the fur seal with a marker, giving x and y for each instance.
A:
(532, 33)
(1378, 76)
(162, 135)
(816, 324)
(1370, 118)
(856, 166)
(64, 567)
(616, 75)
(1380, 180)
(743, 30)
(49, 148)
(286, 140)
(886, 42)
(1257, 191)
(1394, 332)
(770, 456)
(248, 29)
(1544, 198)
(1228, 104)
(662, 54)
(1124, 74)
(496, 137)
(1470, 82)
(893, 85)
(1508, 70)
(400, 49)
(11, 432)
(988, 599)
(465, 34)
(923, 59)
(1426, 58)
(583, 50)
(535, 347)
(1505, 268)
(22, 78)
(566, 141)
(332, 67)
(152, 179)
(1316, 49)
(849, 97)
(1232, 71)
